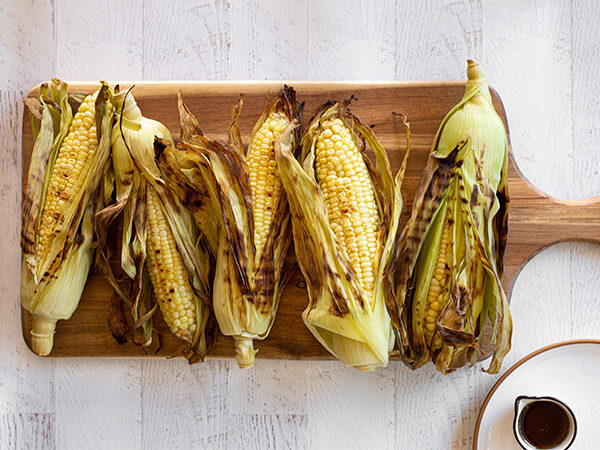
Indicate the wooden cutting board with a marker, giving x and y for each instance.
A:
(536, 220)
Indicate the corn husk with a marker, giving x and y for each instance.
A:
(51, 287)
(352, 325)
(465, 185)
(213, 181)
(135, 172)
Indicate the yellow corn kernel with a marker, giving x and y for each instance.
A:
(437, 295)
(349, 198)
(66, 180)
(167, 272)
(264, 183)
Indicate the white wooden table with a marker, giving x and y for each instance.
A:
(544, 59)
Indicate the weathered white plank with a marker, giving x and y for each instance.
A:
(527, 58)
(98, 404)
(27, 43)
(98, 40)
(27, 430)
(541, 301)
(585, 290)
(434, 39)
(186, 406)
(438, 411)
(269, 431)
(268, 40)
(351, 409)
(351, 41)
(586, 92)
(268, 383)
(187, 40)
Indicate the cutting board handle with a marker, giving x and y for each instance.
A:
(538, 220)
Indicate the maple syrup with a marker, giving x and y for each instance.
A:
(544, 424)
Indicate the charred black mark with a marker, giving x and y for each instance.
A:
(171, 290)
(450, 221)
(157, 251)
(474, 197)
(159, 147)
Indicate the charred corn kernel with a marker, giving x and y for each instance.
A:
(175, 296)
(435, 298)
(66, 178)
(264, 183)
(349, 198)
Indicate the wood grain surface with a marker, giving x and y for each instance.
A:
(542, 56)
(535, 220)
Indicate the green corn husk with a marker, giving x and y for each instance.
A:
(213, 180)
(349, 322)
(463, 188)
(136, 173)
(52, 285)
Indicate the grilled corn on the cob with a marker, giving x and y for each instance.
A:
(450, 257)
(345, 214)
(252, 237)
(64, 191)
(159, 237)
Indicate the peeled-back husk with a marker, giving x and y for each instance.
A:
(52, 287)
(465, 174)
(212, 179)
(354, 328)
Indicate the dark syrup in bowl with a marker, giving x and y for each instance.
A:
(544, 424)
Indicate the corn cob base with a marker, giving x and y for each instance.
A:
(244, 352)
(42, 335)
